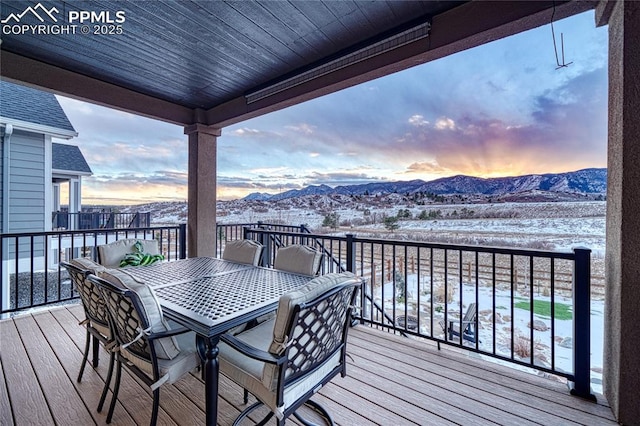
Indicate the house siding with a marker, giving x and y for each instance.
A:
(1, 181)
(27, 187)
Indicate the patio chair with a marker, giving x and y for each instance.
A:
(298, 259)
(468, 325)
(146, 345)
(243, 251)
(96, 319)
(111, 255)
(283, 362)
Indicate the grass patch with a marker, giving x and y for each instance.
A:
(543, 308)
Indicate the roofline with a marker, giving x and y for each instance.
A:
(65, 172)
(38, 128)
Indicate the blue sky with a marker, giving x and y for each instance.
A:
(501, 109)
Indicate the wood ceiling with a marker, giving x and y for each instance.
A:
(195, 61)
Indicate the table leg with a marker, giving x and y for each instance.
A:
(208, 349)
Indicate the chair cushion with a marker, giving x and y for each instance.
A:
(167, 347)
(186, 361)
(87, 264)
(111, 254)
(298, 259)
(243, 251)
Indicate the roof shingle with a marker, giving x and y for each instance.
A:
(68, 157)
(33, 106)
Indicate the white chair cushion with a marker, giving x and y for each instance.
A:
(87, 264)
(186, 361)
(167, 347)
(111, 254)
(242, 251)
(298, 259)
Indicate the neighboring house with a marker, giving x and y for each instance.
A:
(32, 167)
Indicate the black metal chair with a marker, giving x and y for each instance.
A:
(283, 362)
(96, 319)
(146, 345)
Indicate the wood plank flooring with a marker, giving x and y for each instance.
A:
(390, 380)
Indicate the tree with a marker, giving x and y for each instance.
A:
(404, 214)
(391, 223)
(331, 220)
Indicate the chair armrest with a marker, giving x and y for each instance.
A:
(169, 333)
(251, 351)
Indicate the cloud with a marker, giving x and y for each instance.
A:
(428, 168)
(303, 128)
(445, 123)
(417, 120)
(247, 132)
(339, 178)
(567, 132)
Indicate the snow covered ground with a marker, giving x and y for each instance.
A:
(544, 340)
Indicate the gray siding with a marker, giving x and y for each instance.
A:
(27, 185)
(27, 189)
(1, 181)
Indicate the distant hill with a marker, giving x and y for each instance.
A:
(587, 181)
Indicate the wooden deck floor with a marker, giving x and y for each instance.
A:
(391, 381)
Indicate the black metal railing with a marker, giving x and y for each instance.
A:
(236, 231)
(532, 307)
(30, 268)
(100, 220)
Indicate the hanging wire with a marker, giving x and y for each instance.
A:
(555, 46)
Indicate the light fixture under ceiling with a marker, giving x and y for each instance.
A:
(387, 44)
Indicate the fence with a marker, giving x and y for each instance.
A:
(100, 220)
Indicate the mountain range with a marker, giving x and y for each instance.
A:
(586, 181)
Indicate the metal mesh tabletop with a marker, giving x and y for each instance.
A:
(169, 273)
(213, 300)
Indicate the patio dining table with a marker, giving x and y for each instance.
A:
(211, 296)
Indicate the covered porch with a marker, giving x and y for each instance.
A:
(390, 380)
(143, 72)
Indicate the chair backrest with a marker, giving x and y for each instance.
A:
(470, 315)
(243, 251)
(91, 298)
(311, 327)
(299, 259)
(135, 313)
(110, 255)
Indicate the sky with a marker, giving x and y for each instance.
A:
(501, 109)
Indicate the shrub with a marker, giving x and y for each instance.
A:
(331, 220)
(391, 223)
